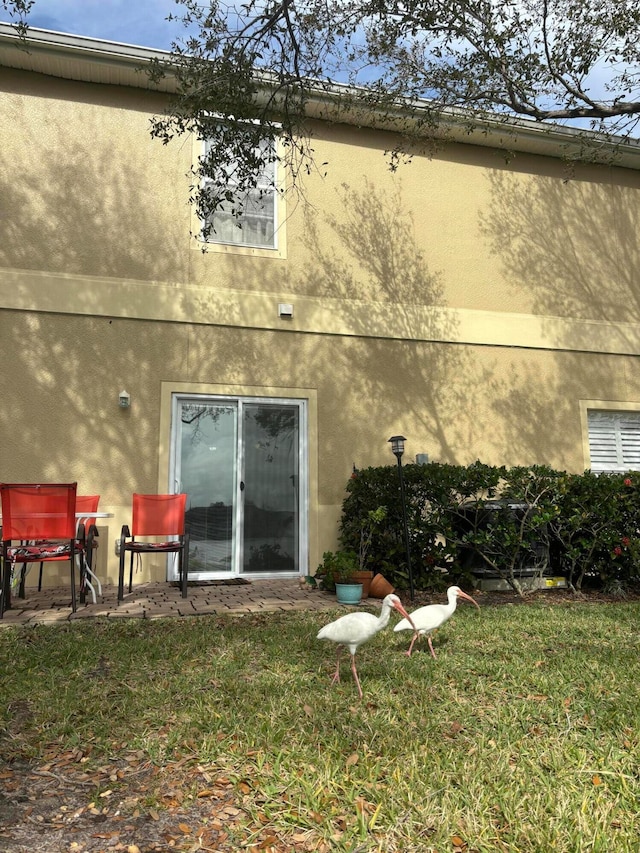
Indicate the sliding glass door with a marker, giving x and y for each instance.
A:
(242, 462)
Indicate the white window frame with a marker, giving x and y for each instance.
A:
(614, 439)
(267, 188)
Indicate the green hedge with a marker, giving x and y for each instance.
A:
(575, 525)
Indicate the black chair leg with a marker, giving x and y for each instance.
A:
(3, 600)
(121, 575)
(23, 574)
(183, 563)
(74, 605)
(83, 578)
(5, 604)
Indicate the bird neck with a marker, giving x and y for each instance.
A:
(383, 618)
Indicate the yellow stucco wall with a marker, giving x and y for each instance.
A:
(470, 303)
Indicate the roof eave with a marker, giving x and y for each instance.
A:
(98, 61)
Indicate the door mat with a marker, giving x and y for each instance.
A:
(221, 582)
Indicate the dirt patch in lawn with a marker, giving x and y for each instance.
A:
(59, 806)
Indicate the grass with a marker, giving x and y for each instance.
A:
(523, 735)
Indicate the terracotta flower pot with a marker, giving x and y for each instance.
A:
(380, 587)
(365, 579)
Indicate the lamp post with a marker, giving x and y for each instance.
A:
(397, 447)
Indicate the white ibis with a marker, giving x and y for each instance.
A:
(353, 629)
(424, 620)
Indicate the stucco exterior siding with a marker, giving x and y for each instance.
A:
(62, 374)
(476, 301)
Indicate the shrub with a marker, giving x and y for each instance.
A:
(462, 518)
(596, 528)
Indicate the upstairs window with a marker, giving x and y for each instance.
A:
(614, 441)
(248, 214)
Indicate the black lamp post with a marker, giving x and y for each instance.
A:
(397, 447)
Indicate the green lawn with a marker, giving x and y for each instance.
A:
(523, 735)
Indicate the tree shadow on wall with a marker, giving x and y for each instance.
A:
(369, 254)
(570, 249)
(63, 372)
(573, 245)
(76, 215)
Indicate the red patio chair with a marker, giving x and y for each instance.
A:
(156, 515)
(87, 534)
(38, 526)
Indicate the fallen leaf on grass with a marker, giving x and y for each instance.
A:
(459, 845)
(596, 780)
(363, 806)
(184, 828)
(353, 759)
(454, 730)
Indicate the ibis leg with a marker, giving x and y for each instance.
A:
(413, 639)
(433, 654)
(336, 677)
(355, 674)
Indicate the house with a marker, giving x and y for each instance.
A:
(483, 300)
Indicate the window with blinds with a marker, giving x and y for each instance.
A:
(614, 441)
(248, 219)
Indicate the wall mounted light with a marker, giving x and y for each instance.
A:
(124, 399)
(285, 309)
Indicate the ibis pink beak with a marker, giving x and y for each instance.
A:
(462, 594)
(401, 610)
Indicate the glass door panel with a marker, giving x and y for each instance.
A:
(207, 465)
(270, 488)
(239, 461)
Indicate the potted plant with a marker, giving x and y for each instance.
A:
(337, 572)
(349, 567)
(369, 524)
(362, 531)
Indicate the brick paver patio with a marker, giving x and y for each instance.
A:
(157, 600)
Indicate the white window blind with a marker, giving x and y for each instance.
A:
(614, 441)
(256, 226)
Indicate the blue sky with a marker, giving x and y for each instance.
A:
(139, 22)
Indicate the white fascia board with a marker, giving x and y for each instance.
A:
(82, 58)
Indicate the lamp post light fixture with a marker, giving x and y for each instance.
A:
(397, 448)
